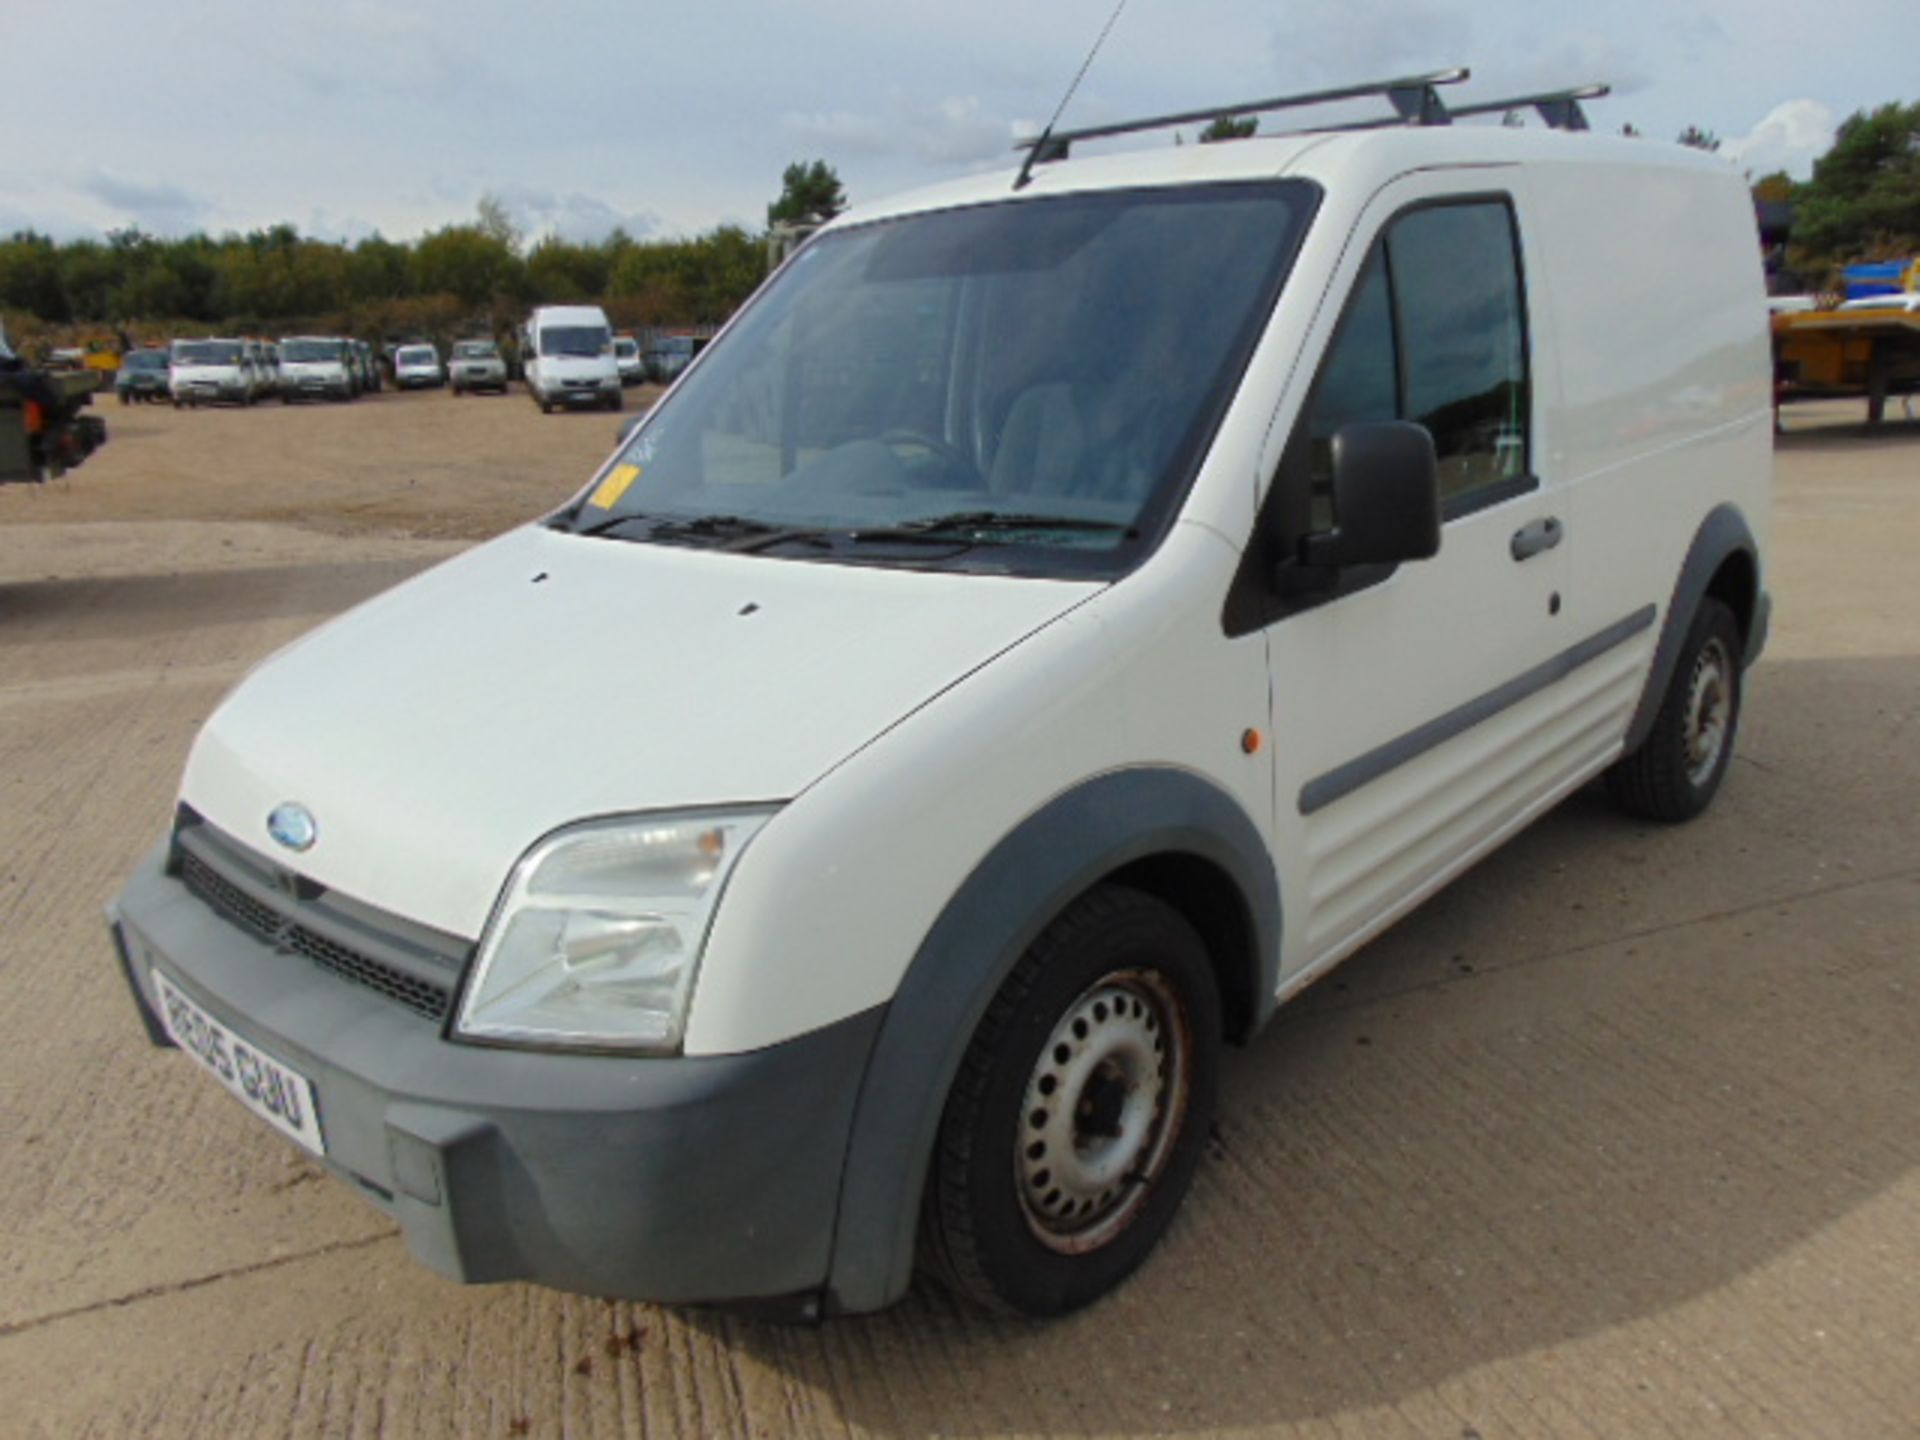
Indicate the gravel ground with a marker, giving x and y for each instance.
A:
(1616, 1137)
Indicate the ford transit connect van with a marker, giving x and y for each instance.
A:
(1055, 623)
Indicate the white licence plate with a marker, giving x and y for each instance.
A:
(278, 1095)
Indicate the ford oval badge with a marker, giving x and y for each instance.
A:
(293, 826)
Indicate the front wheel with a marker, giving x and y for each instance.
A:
(1678, 768)
(1075, 1124)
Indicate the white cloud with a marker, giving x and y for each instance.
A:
(165, 209)
(1792, 136)
(1341, 42)
(571, 215)
(843, 130)
(954, 131)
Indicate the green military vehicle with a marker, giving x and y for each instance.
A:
(43, 433)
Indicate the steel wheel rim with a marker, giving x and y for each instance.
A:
(1102, 1109)
(1709, 712)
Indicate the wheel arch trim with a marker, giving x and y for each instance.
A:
(1078, 839)
(1723, 535)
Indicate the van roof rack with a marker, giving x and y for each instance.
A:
(1413, 97)
(1415, 100)
(1560, 109)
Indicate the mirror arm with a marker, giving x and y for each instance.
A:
(1303, 574)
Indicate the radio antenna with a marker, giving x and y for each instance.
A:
(1041, 149)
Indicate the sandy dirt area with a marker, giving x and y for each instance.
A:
(1619, 1136)
(421, 463)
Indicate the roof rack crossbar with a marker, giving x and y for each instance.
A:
(1560, 109)
(1413, 97)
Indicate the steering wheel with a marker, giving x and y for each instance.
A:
(958, 473)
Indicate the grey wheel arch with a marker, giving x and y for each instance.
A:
(1147, 826)
(1723, 561)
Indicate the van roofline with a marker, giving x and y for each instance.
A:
(1367, 157)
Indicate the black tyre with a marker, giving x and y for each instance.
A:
(1675, 773)
(1074, 1125)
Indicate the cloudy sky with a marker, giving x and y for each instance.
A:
(350, 116)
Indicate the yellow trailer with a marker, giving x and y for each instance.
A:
(1871, 352)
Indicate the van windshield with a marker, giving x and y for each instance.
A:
(206, 352)
(1024, 386)
(574, 340)
(309, 350)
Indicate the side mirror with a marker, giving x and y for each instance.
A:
(1386, 497)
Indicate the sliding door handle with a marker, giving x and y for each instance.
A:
(1530, 540)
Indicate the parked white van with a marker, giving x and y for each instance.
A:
(1053, 624)
(567, 352)
(316, 367)
(204, 372)
(417, 367)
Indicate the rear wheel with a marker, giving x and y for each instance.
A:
(1074, 1126)
(1678, 768)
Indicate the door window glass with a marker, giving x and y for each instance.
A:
(1435, 333)
(1456, 286)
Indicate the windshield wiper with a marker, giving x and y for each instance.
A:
(1011, 520)
(731, 532)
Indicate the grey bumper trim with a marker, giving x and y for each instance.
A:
(685, 1179)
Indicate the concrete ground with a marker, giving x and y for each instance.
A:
(1620, 1136)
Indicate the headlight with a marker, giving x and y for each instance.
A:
(597, 937)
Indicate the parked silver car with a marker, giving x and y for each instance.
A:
(476, 365)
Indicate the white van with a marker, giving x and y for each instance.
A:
(205, 372)
(1051, 626)
(568, 355)
(316, 367)
(417, 367)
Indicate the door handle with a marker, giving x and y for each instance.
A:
(1529, 540)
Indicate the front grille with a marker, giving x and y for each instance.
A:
(284, 933)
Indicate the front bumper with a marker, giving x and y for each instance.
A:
(710, 1178)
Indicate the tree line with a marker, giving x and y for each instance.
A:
(478, 276)
(1863, 199)
(460, 277)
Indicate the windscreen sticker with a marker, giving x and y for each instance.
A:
(608, 492)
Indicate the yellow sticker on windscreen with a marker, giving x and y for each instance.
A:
(608, 492)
